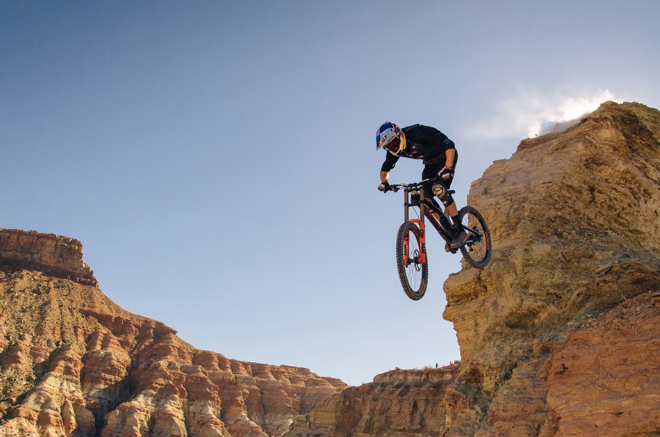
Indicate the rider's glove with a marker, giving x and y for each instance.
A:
(446, 174)
(384, 187)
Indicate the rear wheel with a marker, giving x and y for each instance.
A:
(411, 261)
(477, 249)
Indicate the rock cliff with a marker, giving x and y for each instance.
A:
(400, 403)
(52, 254)
(73, 363)
(560, 334)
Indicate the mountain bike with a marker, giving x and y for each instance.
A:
(411, 257)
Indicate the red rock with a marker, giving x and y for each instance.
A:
(74, 363)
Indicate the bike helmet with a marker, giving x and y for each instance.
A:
(386, 134)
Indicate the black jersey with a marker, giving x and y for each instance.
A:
(422, 142)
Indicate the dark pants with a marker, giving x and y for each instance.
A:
(431, 171)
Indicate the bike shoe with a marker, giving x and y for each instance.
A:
(460, 237)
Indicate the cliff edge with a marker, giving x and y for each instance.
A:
(559, 333)
(52, 254)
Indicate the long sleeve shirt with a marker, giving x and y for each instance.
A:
(422, 142)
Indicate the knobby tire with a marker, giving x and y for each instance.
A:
(477, 249)
(413, 274)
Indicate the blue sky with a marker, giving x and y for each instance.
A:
(217, 159)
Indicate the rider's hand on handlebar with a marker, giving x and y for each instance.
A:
(446, 174)
(384, 187)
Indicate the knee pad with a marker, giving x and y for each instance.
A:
(441, 193)
(439, 190)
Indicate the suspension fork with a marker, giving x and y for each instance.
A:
(420, 224)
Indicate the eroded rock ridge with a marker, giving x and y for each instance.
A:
(73, 363)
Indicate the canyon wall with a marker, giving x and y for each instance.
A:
(73, 363)
(560, 333)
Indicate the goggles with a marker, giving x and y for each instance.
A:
(393, 145)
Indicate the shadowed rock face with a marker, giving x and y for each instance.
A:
(558, 335)
(73, 363)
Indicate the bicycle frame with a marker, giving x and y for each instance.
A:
(411, 257)
(425, 208)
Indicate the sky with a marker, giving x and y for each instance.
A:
(217, 158)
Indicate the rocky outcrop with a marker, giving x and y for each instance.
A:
(73, 363)
(399, 403)
(559, 334)
(575, 220)
(53, 254)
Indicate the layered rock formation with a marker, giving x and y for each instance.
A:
(560, 334)
(73, 363)
(58, 256)
(399, 403)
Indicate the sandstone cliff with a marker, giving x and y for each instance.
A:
(560, 334)
(72, 363)
(400, 403)
(57, 256)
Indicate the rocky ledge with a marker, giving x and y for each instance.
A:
(52, 254)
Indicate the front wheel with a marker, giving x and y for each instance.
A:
(411, 260)
(477, 249)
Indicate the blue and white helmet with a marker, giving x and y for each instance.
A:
(386, 134)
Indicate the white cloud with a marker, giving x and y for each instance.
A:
(530, 113)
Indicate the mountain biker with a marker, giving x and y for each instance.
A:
(439, 156)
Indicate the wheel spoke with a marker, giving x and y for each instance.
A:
(477, 248)
(412, 273)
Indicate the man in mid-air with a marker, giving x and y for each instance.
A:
(439, 157)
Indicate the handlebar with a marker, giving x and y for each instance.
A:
(409, 186)
(412, 186)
